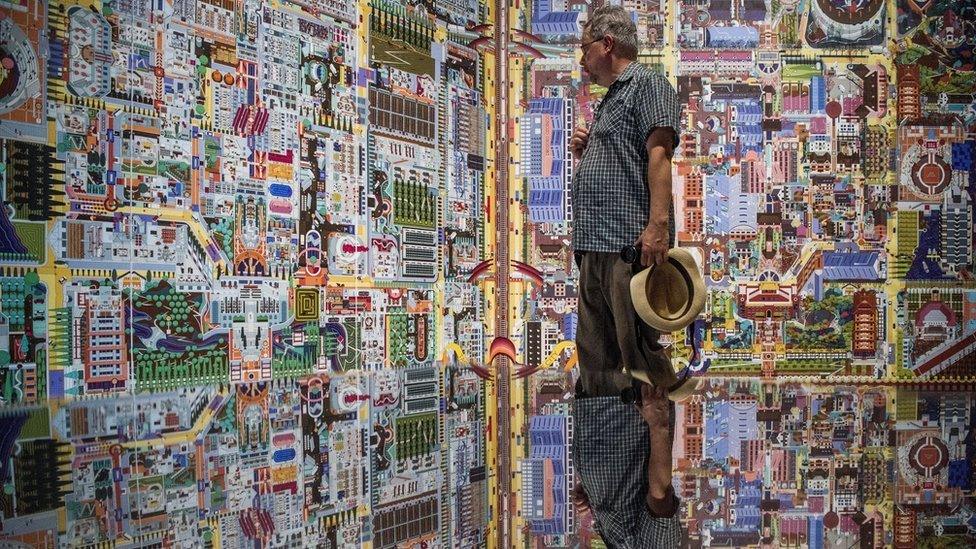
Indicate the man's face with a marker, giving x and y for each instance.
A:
(591, 53)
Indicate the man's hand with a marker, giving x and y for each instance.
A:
(580, 500)
(653, 243)
(578, 142)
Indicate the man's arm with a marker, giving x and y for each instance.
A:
(656, 239)
(656, 411)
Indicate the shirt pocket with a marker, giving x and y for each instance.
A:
(610, 118)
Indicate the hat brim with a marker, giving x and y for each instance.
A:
(685, 263)
(684, 388)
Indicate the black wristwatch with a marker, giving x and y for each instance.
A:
(630, 254)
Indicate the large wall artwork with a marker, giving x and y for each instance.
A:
(297, 273)
(826, 180)
(235, 235)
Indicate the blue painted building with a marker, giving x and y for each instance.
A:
(546, 22)
(545, 478)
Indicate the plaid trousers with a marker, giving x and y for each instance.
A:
(610, 451)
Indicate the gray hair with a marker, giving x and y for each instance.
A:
(617, 22)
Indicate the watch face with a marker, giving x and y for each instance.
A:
(628, 254)
(630, 395)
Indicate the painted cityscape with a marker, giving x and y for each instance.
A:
(298, 273)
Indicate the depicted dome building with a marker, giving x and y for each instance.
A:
(847, 21)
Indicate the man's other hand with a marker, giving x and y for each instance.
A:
(580, 500)
(653, 243)
(578, 142)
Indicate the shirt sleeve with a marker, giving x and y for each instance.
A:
(673, 504)
(657, 106)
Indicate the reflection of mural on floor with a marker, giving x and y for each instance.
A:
(821, 465)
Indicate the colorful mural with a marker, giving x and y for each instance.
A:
(236, 236)
(253, 256)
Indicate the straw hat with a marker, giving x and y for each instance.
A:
(669, 296)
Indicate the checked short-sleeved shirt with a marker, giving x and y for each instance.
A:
(611, 203)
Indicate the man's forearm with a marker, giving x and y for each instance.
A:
(660, 499)
(659, 187)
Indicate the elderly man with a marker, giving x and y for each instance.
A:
(622, 197)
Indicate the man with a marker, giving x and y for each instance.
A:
(621, 197)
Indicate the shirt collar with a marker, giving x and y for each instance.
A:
(622, 79)
(628, 72)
